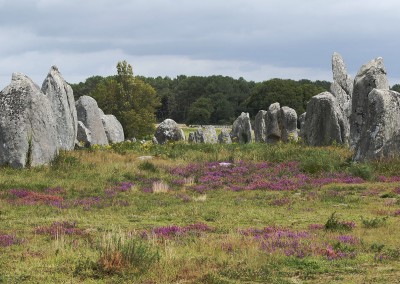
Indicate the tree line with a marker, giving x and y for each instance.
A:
(138, 101)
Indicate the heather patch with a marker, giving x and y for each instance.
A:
(7, 240)
(254, 176)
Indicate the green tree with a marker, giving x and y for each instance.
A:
(200, 111)
(130, 99)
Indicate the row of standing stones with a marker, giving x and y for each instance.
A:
(36, 123)
(362, 113)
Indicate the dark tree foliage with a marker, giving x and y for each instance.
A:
(294, 94)
(396, 88)
(219, 99)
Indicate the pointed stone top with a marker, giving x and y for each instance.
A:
(376, 63)
(54, 68)
(18, 76)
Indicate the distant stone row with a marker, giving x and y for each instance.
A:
(362, 113)
(36, 123)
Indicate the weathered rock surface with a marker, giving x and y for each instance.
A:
(370, 76)
(28, 134)
(204, 135)
(260, 127)
(113, 128)
(168, 130)
(380, 135)
(342, 89)
(224, 137)
(241, 129)
(62, 102)
(324, 121)
(340, 75)
(288, 124)
(88, 112)
(84, 135)
(301, 124)
(274, 133)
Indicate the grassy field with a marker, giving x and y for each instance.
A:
(283, 213)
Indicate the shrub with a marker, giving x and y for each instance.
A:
(334, 224)
(374, 222)
(118, 252)
(363, 171)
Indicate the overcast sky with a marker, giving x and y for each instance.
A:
(253, 39)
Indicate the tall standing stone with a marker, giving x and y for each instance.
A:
(260, 127)
(274, 133)
(380, 135)
(342, 88)
(89, 114)
(324, 122)
(370, 76)
(28, 134)
(288, 124)
(62, 101)
(241, 129)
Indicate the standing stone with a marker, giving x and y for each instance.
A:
(260, 127)
(274, 132)
(62, 102)
(192, 138)
(28, 134)
(88, 112)
(241, 129)
(380, 134)
(324, 122)
(288, 124)
(84, 135)
(342, 88)
(370, 76)
(168, 130)
(224, 137)
(113, 128)
(204, 135)
(340, 75)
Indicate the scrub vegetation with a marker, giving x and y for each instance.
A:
(193, 213)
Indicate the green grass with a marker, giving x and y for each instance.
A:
(114, 241)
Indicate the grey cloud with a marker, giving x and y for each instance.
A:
(284, 33)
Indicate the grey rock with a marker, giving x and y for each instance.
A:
(274, 133)
(204, 135)
(84, 135)
(224, 137)
(28, 134)
(340, 75)
(62, 101)
(192, 137)
(370, 76)
(288, 124)
(380, 135)
(324, 121)
(342, 88)
(113, 128)
(260, 127)
(168, 130)
(88, 112)
(241, 129)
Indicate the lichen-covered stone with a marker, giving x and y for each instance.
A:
(324, 123)
(89, 114)
(28, 134)
(370, 76)
(62, 102)
(168, 130)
